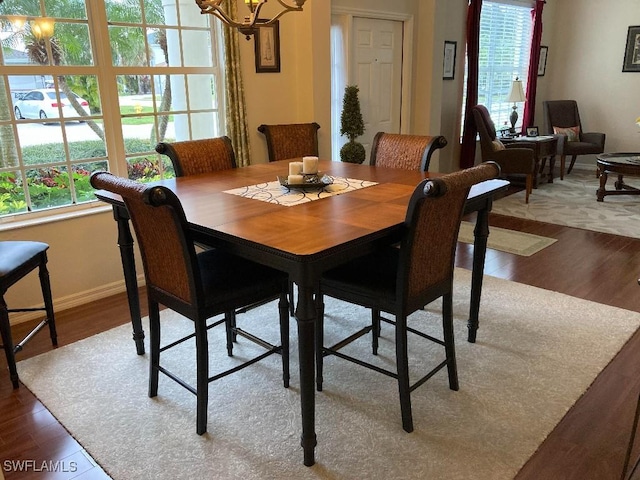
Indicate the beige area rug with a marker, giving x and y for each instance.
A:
(510, 241)
(572, 202)
(537, 352)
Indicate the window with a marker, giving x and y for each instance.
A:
(95, 84)
(505, 43)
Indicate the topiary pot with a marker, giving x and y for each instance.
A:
(352, 152)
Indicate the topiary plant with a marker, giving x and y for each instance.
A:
(351, 125)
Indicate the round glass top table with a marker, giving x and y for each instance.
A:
(620, 164)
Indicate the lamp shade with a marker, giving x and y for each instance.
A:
(517, 93)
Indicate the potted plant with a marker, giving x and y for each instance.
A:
(351, 125)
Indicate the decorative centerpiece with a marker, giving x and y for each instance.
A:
(305, 175)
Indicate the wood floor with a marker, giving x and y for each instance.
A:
(589, 443)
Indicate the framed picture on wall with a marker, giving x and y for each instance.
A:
(542, 63)
(632, 51)
(267, 48)
(449, 60)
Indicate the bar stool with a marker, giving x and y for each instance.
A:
(17, 259)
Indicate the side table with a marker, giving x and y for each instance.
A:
(544, 147)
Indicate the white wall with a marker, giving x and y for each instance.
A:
(301, 92)
(586, 51)
(450, 25)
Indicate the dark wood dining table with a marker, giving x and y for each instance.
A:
(303, 240)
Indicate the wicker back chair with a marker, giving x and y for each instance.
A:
(410, 152)
(196, 285)
(291, 141)
(402, 280)
(192, 157)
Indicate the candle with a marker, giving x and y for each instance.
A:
(295, 179)
(295, 168)
(310, 165)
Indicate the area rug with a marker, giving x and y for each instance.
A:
(572, 202)
(537, 352)
(510, 241)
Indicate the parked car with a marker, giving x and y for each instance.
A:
(42, 103)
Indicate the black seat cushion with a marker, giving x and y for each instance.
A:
(224, 277)
(372, 276)
(14, 254)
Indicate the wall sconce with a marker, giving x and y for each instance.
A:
(43, 27)
(516, 95)
(247, 27)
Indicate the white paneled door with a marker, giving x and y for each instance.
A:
(376, 68)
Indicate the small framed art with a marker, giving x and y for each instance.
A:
(267, 48)
(542, 63)
(532, 131)
(449, 60)
(632, 51)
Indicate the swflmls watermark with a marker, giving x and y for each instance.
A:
(39, 466)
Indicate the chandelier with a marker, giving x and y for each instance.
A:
(248, 26)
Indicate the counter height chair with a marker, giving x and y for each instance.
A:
(411, 152)
(293, 140)
(402, 280)
(191, 157)
(17, 259)
(562, 120)
(196, 285)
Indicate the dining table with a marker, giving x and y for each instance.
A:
(252, 212)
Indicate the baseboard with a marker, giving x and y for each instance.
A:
(77, 299)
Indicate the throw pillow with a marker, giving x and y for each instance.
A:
(572, 133)
(497, 145)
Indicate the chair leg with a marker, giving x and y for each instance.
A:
(375, 330)
(292, 305)
(202, 375)
(528, 187)
(154, 346)
(319, 340)
(48, 301)
(449, 343)
(573, 161)
(563, 158)
(229, 326)
(402, 361)
(7, 342)
(283, 307)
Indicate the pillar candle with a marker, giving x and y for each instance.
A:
(294, 179)
(310, 164)
(295, 168)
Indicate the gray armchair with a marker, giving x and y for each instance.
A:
(514, 159)
(564, 114)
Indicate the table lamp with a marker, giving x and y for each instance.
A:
(515, 95)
